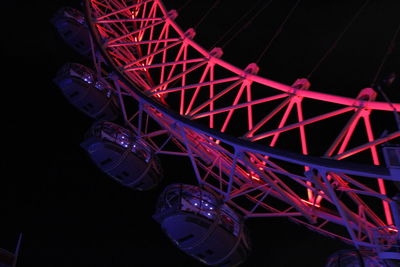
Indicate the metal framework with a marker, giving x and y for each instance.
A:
(234, 126)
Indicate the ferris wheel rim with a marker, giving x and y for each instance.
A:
(246, 174)
(341, 100)
(278, 153)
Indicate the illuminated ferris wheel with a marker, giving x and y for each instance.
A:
(154, 91)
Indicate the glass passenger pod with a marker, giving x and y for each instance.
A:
(88, 93)
(202, 226)
(127, 159)
(116, 134)
(71, 25)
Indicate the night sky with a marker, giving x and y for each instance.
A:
(71, 214)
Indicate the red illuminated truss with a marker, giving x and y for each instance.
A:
(236, 127)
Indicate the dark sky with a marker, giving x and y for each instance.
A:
(73, 215)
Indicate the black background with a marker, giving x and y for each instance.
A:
(73, 215)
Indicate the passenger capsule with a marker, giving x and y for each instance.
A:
(71, 25)
(85, 91)
(123, 156)
(202, 226)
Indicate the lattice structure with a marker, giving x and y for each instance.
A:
(236, 127)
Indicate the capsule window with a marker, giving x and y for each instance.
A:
(183, 239)
(225, 263)
(209, 251)
(106, 161)
(74, 94)
(139, 185)
(198, 222)
(67, 33)
(101, 116)
(201, 256)
(88, 107)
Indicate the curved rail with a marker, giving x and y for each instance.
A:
(346, 101)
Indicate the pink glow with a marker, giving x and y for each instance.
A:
(375, 158)
(174, 76)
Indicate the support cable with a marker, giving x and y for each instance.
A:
(184, 5)
(333, 46)
(378, 86)
(237, 23)
(278, 31)
(247, 23)
(389, 51)
(206, 14)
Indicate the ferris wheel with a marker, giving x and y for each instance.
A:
(155, 91)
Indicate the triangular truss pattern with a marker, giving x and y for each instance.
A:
(153, 56)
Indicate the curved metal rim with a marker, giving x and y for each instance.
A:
(279, 86)
(311, 161)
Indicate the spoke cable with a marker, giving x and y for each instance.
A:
(389, 51)
(184, 5)
(237, 22)
(333, 46)
(206, 14)
(377, 86)
(278, 31)
(247, 23)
